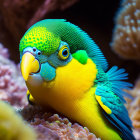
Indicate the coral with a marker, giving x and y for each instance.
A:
(20, 15)
(51, 126)
(12, 126)
(12, 86)
(127, 31)
(137, 134)
(4, 51)
(133, 107)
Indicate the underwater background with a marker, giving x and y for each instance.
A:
(114, 25)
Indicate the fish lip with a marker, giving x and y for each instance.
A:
(31, 74)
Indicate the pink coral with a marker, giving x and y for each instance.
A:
(136, 133)
(12, 86)
(51, 126)
(4, 51)
(133, 107)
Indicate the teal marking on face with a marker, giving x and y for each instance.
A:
(47, 72)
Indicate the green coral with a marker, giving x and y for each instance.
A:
(12, 127)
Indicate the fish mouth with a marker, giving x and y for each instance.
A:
(29, 65)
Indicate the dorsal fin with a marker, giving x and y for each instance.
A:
(76, 38)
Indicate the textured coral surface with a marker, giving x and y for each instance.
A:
(51, 126)
(127, 31)
(12, 86)
(133, 107)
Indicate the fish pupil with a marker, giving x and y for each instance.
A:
(65, 52)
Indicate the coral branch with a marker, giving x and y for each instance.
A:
(127, 30)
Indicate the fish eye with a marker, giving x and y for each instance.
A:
(63, 52)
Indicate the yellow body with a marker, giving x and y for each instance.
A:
(72, 93)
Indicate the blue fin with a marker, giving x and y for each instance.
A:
(110, 89)
(115, 76)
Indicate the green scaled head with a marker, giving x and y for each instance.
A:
(47, 34)
(39, 37)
